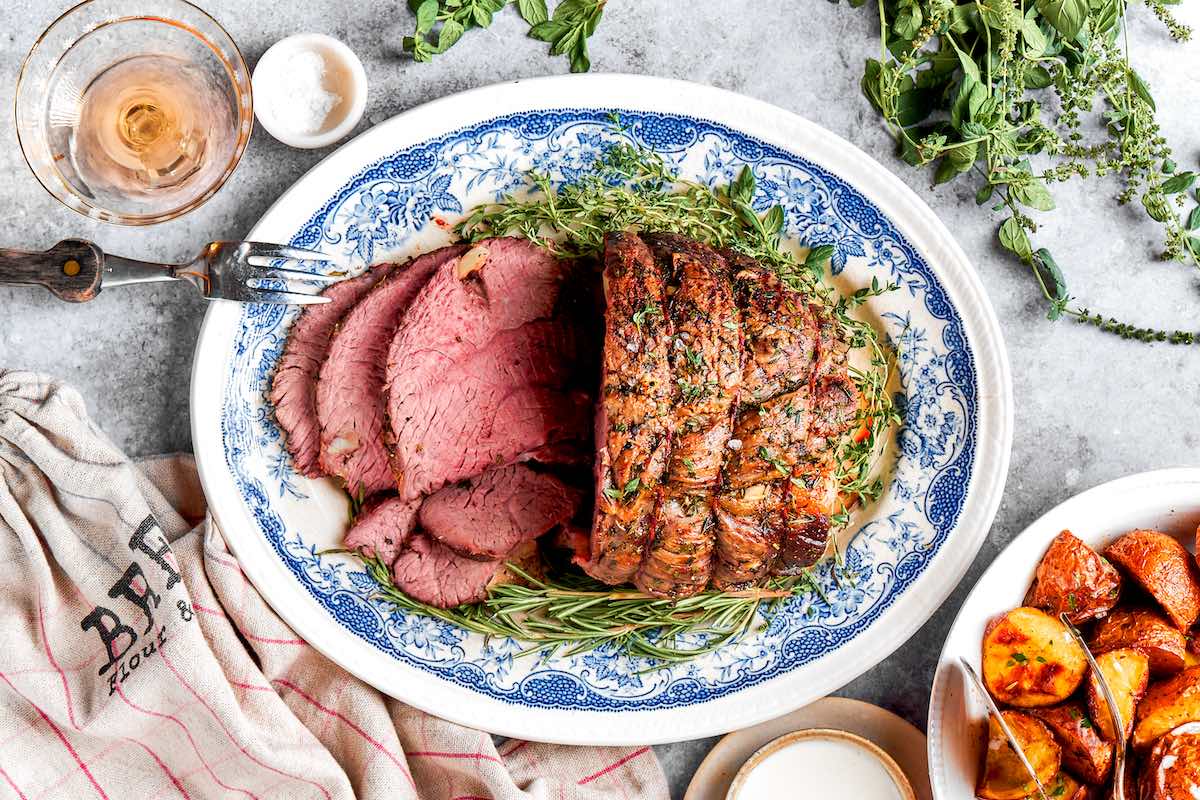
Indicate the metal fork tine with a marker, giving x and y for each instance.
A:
(269, 283)
(269, 272)
(285, 298)
(308, 266)
(260, 250)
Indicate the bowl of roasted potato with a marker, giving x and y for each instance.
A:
(1117, 565)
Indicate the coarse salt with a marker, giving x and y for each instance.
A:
(301, 103)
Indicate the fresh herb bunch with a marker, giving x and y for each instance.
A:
(1005, 91)
(633, 187)
(441, 23)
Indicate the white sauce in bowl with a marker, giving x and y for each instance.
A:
(817, 764)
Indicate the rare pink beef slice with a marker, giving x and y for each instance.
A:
(382, 528)
(350, 397)
(294, 387)
(428, 571)
(489, 516)
(479, 372)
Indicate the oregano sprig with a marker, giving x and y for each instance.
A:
(963, 86)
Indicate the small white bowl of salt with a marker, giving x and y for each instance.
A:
(310, 90)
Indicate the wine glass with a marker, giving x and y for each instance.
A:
(133, 111)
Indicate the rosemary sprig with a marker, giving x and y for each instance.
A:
(573, 614)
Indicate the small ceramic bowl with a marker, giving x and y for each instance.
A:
(344, 76)
(754, 780)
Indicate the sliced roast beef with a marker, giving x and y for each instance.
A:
(382, 528)
(633, 416)
(490, 515)
(428, 571)
(293, 390)
(350, 397)
(478, 371)
(705, 360)
(503, 403)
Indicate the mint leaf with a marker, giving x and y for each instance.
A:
(533, 11)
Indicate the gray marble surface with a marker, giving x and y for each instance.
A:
(1089, 407)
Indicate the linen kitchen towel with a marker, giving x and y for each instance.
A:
(136, 660)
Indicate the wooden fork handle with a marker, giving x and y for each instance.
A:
(71, 269)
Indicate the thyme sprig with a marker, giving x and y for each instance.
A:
(1005, 91)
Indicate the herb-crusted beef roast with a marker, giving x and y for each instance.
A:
(478, 371)
(294, 387)
(489, 516)
(770, 433)
(705, 358)
(813, 485)
(350, 398)
(633, 415)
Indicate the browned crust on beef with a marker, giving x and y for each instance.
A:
(705, 359)
(293, 389)
(781, 330)
(633, 413)
(773, 510)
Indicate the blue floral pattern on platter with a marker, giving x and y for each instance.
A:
(382, 209)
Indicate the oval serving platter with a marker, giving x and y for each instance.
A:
(395, 190)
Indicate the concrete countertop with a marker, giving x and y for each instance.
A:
(1089, 407)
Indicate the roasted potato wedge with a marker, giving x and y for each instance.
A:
(1127, 672)
(1084, 752)
(1075, 579)
(1029, 659)
(1167, 705)
(1064, 786)
(1172, 771)
(1004, 776)
(1164, 568)
(1142, 629)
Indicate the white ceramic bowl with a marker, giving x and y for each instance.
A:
(346, 76)
(792, 756)
(1166, 500)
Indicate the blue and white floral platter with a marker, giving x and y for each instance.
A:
(391, 193)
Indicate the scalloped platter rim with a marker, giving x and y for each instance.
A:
(389, 192)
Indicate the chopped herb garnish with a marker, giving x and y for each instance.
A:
(649, 311)
(615, 494)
